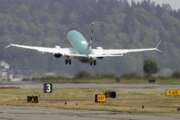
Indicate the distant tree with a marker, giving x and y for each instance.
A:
(119, 24)
(150, 67)
(176, 75)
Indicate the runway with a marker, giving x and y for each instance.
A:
(38, 113)
(45, 113)
(127, 87)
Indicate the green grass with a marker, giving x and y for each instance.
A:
(86, 77)
(169, 81)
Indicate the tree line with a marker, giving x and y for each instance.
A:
(118, 24)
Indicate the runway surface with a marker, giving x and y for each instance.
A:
(37, 113)
(127, 87)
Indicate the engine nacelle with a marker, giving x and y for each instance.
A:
(99, 48)
(100, 57)
(57, 47)
(57, 55)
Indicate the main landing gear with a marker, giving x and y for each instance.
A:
(93, 62)
(67, 61)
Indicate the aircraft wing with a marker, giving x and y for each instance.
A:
(55, 50)
(119, 52)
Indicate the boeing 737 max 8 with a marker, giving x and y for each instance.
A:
(82, 50)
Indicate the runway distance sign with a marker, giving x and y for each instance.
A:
(100, 98)
(47, 87)
(172, 92)
(32, 99)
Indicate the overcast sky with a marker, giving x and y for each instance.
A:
(174, 3)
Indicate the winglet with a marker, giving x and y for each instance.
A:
(8, 46)
(157, 46)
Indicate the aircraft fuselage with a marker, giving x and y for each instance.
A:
(78, 42)
(80, 45)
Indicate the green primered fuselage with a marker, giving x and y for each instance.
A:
(78, 42)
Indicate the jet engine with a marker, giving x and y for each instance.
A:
(99, 48)
(57, 55)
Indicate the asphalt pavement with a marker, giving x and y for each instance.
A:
(40, 113)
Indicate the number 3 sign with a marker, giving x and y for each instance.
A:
(47, 87)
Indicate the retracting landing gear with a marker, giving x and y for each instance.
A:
(67, 61)
(94, 62)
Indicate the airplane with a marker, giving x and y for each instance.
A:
(82, 50)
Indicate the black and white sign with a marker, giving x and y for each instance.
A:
(48, 87)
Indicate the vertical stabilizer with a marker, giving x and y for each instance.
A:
(91, 36)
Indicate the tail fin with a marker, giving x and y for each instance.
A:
(91, 36)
